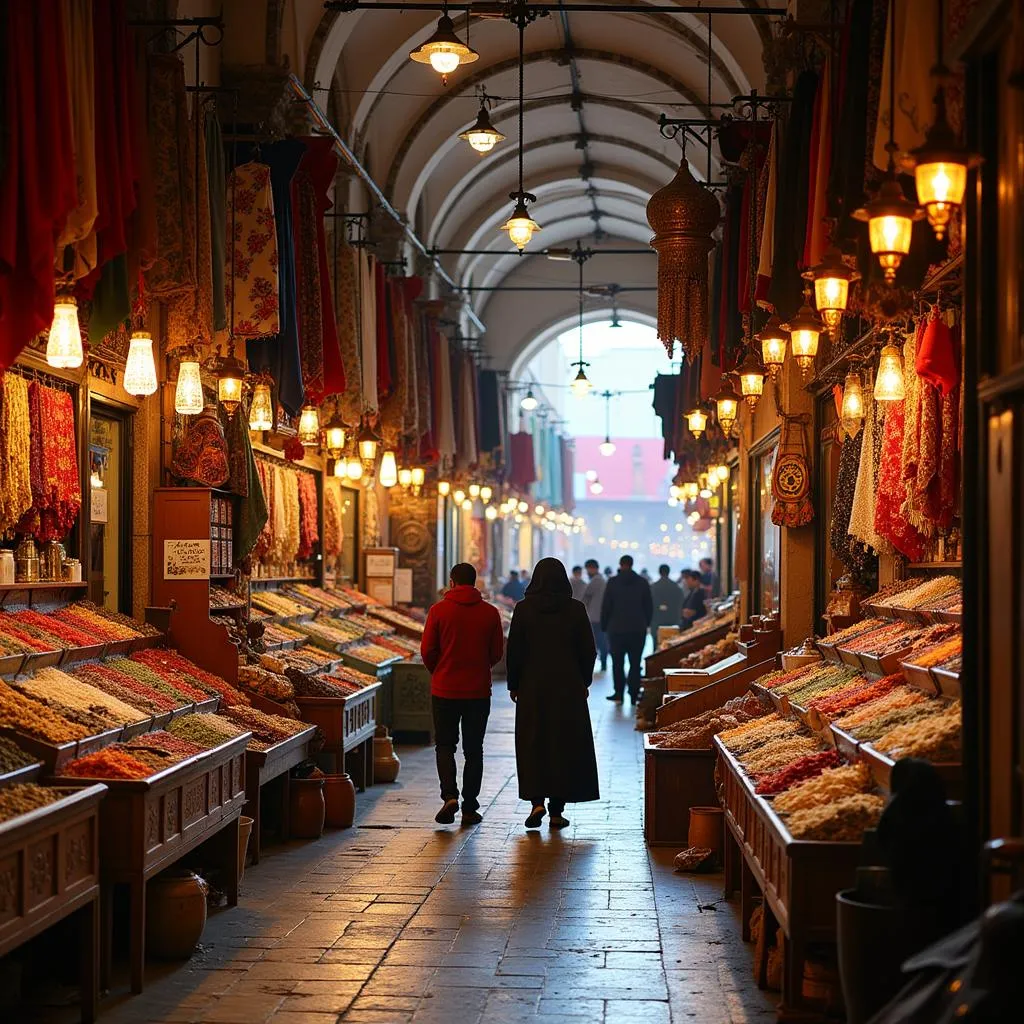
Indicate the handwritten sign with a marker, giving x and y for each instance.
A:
(380, 565)
(381, 589)
(186, 559)
(403, 586)
(98, 505)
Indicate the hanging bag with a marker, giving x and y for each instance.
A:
(791, 477)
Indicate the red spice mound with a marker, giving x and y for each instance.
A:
(172, 666)
(800, 770)
(108, 764)
(835, 704)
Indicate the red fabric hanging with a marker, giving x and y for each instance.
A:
(890, 521)
(38, 188)
(817, 178)
(938, 356)
(523, 469)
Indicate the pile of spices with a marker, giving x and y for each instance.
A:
(12, 757)
(753, 734)
(174, 667)
(923, 594)
(128, 688)
(808, 767)
(354, 676)
(826, 681)
(842, 636)
(139, 628)
(67, 634)
(90, 620)
(321, 686)
(266, 728)
(831, 785)
(934, 738)
(52, 685)
(18, 800)
(940, 653)
(900, 696)
(858, 692)
(779, 753)
(179, 687)
(167, 742)
(898, 716)
(844, 820)
(112, 762)
(374, 654)
(21, 714)
(206, 730)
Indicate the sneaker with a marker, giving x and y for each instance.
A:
(446, 816)
(536, 816)
(558, 821)
(471, 818)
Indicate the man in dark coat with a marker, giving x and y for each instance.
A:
(667, 596)
(462, 642)
(550, 666)
(626, 614)
(693, 598)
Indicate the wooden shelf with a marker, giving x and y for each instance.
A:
(278, 580)
(935, 565)
(35, 587)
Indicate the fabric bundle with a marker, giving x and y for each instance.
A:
(309, 515)
(251, 267)
(334, 528)
(15, 453)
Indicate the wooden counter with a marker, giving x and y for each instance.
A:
(148, 824)
(348, 724)
(674, 781)
(49, 870)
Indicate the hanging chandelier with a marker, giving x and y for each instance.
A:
(890, 216)
(140, 368)
(941, 162)
(261, 411)
(64, 349)
(309, 426)
(230, 382)
(774, 339)
(752, 374)
(852, 407)
(607, 446)
(188, 392)
(521, 227)
(581, 384)
(482, 135)
(831, 278)
(444, 51)
(804, 331)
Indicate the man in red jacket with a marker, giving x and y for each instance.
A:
(462, 642)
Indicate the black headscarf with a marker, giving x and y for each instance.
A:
(550, 580)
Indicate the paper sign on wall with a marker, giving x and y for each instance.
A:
(381, 589)
(186, 559)
(98, 505)
(380, 565)
(403, 586)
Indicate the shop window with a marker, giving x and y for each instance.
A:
(767, 537)
(109, 508)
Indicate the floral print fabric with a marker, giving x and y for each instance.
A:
(16, 489)
(251, 262)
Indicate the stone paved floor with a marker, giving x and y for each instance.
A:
(401, 920)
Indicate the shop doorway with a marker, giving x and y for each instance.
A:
(110, 507)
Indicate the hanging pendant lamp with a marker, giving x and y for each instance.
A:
(444, 51)
(482, 136)
(607, 446)
(521, 227)
(727, 405)
(64, 349)
(889, 379)
(139, 368)
(804, 331)
(309, 426)
(752, 374)
(581, 384)
(261, 411)
(852, 407)
(831, 278)
(188, 392)
(696, 421)
(773, 339)
(230, 382)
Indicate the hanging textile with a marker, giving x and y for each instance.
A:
(173, 270)
(265, 538)
(216, 197)
(309, 515)
(410, 290)
(522, 463)
(280, 355)
(346, 299)
(766, 252)
(862, 517)
(334, 523)
(251, 263)
(15, 451)
(398, 408)
(143, 230)
(938, 355)
(202, 454)
(307, 280)
(816, 237)
(490, 404)
(78, 45)
(252, 509)
(849, 552)
(665, 405)
(384, 341)
(791, 477)
(467, 452)
(368, 328)
(190, 313)
(53, 465)
(446, 444)
(38, 188)
(425, 387)
(890, 522)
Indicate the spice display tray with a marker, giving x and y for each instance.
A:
(28, 773)
(261, 767)
(51, 755)
(119, 648)
(42, 659)
(881, 765)
(367, 667)
(675, 781)
(915, 616)
(714, 695)
(73, 655)
(10, 664)
(144, 643)
(853, 659)
(917, 675)
(401, 629)
(798, 878)
(946, 616)
(846, 744)
(148, 824)
(948, 682)
(49, 868)
(829, 652)
(669, 657)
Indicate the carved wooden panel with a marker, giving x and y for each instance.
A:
(413, 524)
(10, 888)
(42, 870)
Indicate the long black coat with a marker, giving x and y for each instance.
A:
(550, 660)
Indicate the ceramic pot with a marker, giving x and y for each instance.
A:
(340, 797)
(706, 829)
(306, 808)
(244, 831)
(385, 760)
(175, 914)
(871, 947)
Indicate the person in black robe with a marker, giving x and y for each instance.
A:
(550, 666)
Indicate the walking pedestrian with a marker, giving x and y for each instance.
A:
(626, 613)
(550, 664)
(462, 642)
(593, 597)
(693, 598)
(514, 587)
(578, 583)
(667, 597)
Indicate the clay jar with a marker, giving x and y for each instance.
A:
(175, 914)
(707, 829)
(385, 761)
(306, 807)
(340, 797)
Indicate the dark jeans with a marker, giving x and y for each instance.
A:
(601, 642)
(554, 806)
(625, 645)
(472, 714)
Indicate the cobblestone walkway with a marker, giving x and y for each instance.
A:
(400, 920)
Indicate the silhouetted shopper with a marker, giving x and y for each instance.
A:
(550, 663)
(462, 642)
(693, 598)
(593, 598)
(626, 614)
(667, 596)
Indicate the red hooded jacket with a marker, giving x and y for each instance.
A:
(462, 642)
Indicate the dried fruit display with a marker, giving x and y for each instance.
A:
(21, 799)
(842, 820)
(935, 738)
(831, 785)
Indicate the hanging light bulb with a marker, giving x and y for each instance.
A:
(690, 490)
(889, 379)
(596, 488)
(486, 493)
(474, 491)
(581, 384)
(852, 408)
(340, 469)
(230, 381)
(139, 368)
(459, 496)
(354, 468)
(831, 279)
(261, 412)
(367, 443)
(405, 477)
(188, 392)
(64, 344)
(482, 136)
(606, 447)
(444, 488)
(804, 330)
(467, 506)
(539, 510)
(490, 513)
(521, 227)
(309, 426)
(773, 338)
(727, 404)
(444, 51)
(704, 487)
(524, 507)
(696, 421)
(752, 374)
(419, 477)
(335, 434)
(723, 472)
(529, 402)
(388, 475)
